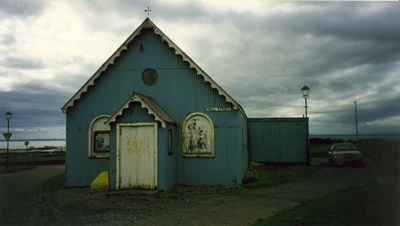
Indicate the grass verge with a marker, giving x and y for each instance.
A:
(340, 208)
(319, 150)
(12, 169)
(34, 158)
(273, 175)
(356, 205)
(375, 201)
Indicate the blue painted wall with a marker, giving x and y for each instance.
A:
(226, 167)
(81, 169)
(179, 91)
(278, 140)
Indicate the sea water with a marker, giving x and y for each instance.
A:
(20, 144)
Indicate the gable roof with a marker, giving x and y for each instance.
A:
(146, 102)
(147, 23)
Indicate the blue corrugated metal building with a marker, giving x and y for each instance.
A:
(278, 140)
(152, 118)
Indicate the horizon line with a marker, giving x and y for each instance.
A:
(371, 134)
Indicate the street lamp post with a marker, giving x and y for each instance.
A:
(8, 136)
(305, 91)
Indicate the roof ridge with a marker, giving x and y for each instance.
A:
(147, 23)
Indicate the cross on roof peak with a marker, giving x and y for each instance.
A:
(148, 10)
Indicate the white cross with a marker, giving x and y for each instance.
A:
(148, 10)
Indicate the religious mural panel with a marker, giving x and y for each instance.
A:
(198, 136)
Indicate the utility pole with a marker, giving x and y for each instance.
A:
(356, 121)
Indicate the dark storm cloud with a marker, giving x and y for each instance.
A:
(344, 51)
(23, 63)
(186, 12)
(34, 104)
(345, 34)
(159, 9)
(371, 117)
(21, 8)
(370, 21)
(72, 82)
(368, 111)
(378, 109)
(128, 14)
(8, 40)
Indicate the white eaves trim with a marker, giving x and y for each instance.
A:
(146, 102)
(111, 60)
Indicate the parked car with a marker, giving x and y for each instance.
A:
(340, 153)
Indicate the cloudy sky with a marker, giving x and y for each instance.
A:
(260, 52)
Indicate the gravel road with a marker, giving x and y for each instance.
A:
(194, 206)
(21, 199)
(22, 202)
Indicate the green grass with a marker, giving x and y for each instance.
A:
(319, 161)
(357, 205)
(319, 150)
(12, 169)
(372, 202)
(273, 175)
(270, 175)
(33, 157)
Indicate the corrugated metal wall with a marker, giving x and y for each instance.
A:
(245, 145)
(278, 140)
(226, 167)
(81, 169)
(168, 164)
(179, 91)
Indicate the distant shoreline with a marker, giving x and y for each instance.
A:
(360, 137)
(364, 136)
(379, 135)
(353, 135)
(33, 144)
(57, 139)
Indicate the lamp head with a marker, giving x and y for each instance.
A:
(8, 115)
(305, 91)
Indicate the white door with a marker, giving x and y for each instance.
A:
(137, 166)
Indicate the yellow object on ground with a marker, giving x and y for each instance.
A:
(101, 183)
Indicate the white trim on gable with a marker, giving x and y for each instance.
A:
(147, 103)
(111, 60)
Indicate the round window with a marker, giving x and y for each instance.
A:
(149, 76)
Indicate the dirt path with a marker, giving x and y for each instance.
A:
(193, 206)
(21, 201)
(245, 207)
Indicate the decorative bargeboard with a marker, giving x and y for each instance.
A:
(198, 136)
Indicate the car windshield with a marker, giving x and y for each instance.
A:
(343, 147)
